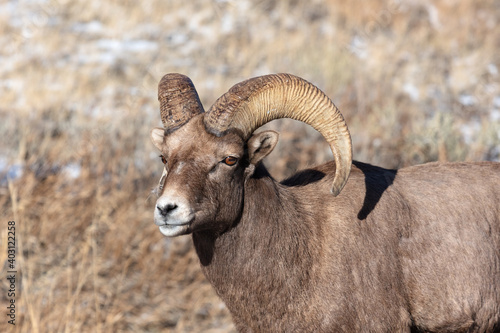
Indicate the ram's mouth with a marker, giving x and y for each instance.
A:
(174, 223)
(172, 230)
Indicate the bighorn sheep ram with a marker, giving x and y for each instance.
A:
(342, 247)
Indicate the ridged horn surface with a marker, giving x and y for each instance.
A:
(254, 102)
(179, 101)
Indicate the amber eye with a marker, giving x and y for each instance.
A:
(163, 159)
(230, 160)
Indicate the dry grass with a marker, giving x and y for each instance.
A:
(417, 81)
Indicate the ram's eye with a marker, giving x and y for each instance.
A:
(163, 159)
(230, 160)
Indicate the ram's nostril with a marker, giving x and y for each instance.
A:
(165, 210)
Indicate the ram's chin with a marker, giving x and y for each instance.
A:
(174, 230)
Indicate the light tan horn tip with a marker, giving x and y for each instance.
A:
(337, 188)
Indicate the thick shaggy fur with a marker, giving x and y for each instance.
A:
(412, 250)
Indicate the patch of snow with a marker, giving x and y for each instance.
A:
(177, 38)
(227, 24)
(433, 16)
(140, 45)
(106, 58)
(12, 84)
(12, 10)
(358, 47)
(495, 115)
(92, 27)
(496, 102)
(470, 131)
(10, 171)
(492, 69)
(119, 46)
(412, 91)
(72, 170)
(467, 100)
(15, 171)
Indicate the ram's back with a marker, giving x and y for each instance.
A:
(450, 250)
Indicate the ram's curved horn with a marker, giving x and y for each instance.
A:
(179, 101)
(254, 102)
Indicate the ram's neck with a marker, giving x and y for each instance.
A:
(262, 260)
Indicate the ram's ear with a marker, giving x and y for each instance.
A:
(260, 145)
(157, 136)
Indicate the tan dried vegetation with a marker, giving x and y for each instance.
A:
(416, 80)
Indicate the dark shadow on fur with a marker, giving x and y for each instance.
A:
(204, 242)
(304, 177)
(377, 180)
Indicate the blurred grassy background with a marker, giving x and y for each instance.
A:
(417, 81)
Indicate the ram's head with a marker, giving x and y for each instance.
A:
(209, 156)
